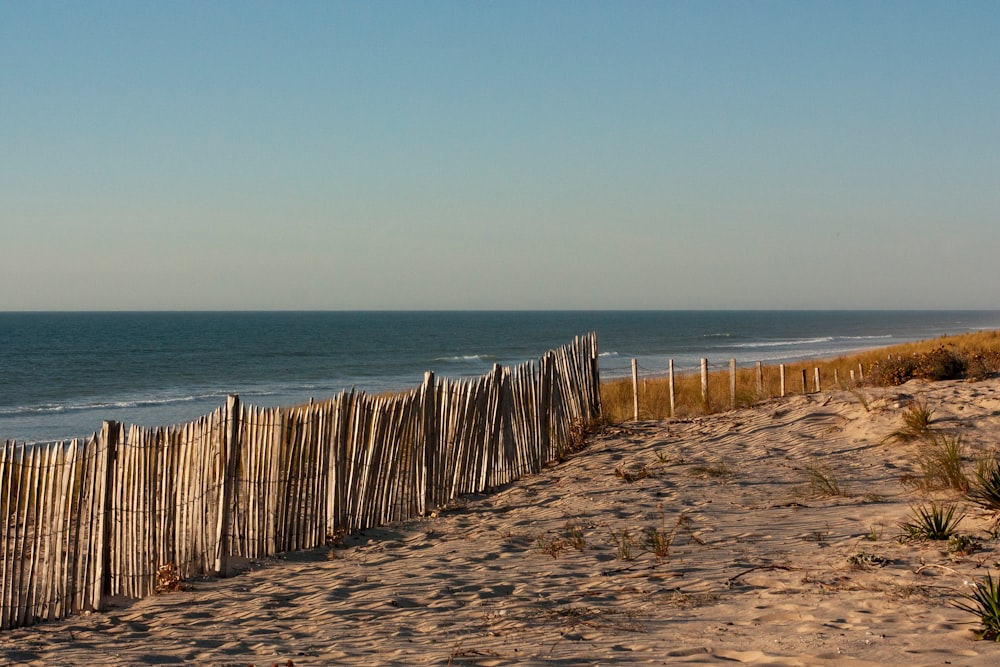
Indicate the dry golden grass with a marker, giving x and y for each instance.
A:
(654, 394)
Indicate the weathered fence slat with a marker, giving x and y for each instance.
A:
(228, 463)
(25, 498)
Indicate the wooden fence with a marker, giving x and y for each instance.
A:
(760, 386)
(85, 521)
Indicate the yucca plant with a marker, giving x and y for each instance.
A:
(984, 602)
(986, 491)
(932, 522)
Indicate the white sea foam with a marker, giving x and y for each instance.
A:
(466, 358)
(785, 343)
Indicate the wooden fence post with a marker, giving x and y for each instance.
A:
(819, 387)
(861, 373)
(110, 436)
(760, 379)
(228, 461)
(781, 370)
(635, 390)
(732, 384)
(545, 379)
(704, 382)
(595, 372)
(7, 496)
(805, 383)
(430, 473)
(671, 384)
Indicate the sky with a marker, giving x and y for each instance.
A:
(545, 154)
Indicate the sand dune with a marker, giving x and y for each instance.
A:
(758, 565)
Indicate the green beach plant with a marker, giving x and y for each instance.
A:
(861, 395)
(931, 522)
(916, 422)
(548, 544)
(984, 602)
(823, 484)
(624, 545)
(555, 545)
(941, 464)
(986, 491)
(874, 533)
(962, 545)
(574, 536)
(722, 469)
(917, 417)
(658, 541)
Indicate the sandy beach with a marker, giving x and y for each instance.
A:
(757, 562)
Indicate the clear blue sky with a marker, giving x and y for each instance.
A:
(386, 155)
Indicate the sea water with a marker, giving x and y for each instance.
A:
(63, 374)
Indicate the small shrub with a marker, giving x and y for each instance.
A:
(984, 602)
(982, 365)
(892, 371)
(932, 522)
(940, 363)
(962, 545)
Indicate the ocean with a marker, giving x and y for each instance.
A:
(63, 374)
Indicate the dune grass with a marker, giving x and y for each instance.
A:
(974, 356)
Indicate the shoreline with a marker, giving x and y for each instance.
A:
(218, 397)
(757, 566)
(169, 368)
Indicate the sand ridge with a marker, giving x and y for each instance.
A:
(756, 565)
